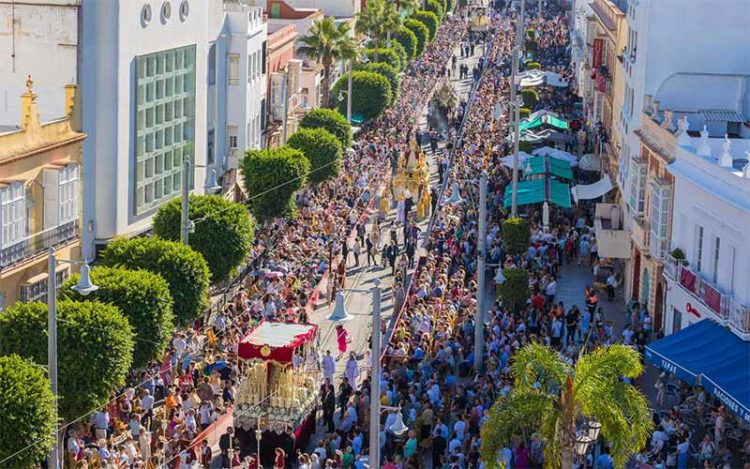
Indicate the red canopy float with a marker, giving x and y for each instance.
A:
(275, 341)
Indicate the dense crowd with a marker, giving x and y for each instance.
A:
(154, 420)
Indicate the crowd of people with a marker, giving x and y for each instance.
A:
(154, 420)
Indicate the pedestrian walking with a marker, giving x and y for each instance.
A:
(342, 339)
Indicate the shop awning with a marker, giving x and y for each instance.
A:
(709, 355)
(592, 191)
(548, 165)
(537, 191)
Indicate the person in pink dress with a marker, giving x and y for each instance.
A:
(342, 337)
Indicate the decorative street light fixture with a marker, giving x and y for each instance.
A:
(186, 225)
(84, 287)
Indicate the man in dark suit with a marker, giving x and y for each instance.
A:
(438, 447)
(226, 441)
(329, 407)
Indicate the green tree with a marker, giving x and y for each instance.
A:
(142, 297)
(95, 350)
(530, 98)
(436, 7)
(272, 177)
(223, 234)
(322, 149)
(371, 93)
(421, 33)
(515, 290)
(549, 396)
(185, 270)
(524, 112)
(379, 18)
(331, 120)
(408, 41)
(385, 70)
(430, 20)
(327, 43)
(387, 56)
(516, 235)
(27, 412)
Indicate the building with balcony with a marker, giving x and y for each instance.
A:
(284, 85)
(40, 196)
(672, 48)
(163, 81)
(699, 207)
(38, 38)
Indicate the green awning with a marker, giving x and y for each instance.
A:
(357, 119)
(555, 122)
(559, 193)
(527, 124)
(537, 191)
(529, 192)
(548, 165)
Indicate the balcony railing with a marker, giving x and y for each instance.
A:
(639, 233)
(38, 243)
(728, 308)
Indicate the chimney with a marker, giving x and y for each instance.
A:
(29, 113)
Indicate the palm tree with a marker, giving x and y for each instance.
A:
(549, 396)
(328, 42)
(379, 19)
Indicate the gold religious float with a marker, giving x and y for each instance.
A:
(278, 392)
(412, 178)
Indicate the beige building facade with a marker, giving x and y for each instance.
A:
(40, 198)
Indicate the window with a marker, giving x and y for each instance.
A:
(37, 291)
(732, 258)
(699, 247)
(263, 56)
(68, 194)
(232, 131)
(210, 147)
(275, 10)
(661, 195)
(165, 123)
(212, 65)
(234, 69)
(13, 208)
(637, 186)
(717, 248)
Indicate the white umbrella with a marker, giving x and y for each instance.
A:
(508, 160)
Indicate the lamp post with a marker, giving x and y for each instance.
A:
(349, 92)
(84, 287)
(375, 379)
(513, 100)
(481, 283)
(187, 226)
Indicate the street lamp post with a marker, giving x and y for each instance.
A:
(84, 287)
(481, 283)
(187, 226)
(514, 101)
(349, 92)
(375, 379)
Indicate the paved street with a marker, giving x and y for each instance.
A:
(358, 303)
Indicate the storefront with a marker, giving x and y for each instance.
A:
(684, 308)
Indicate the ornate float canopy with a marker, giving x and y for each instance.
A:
(275, 341)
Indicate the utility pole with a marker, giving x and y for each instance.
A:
(54, 458)
(349, 93)
(514, 102)
(184, 216)
(481, 284)
(285, 102)
(374, 457)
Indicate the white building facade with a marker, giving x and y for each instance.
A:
(163, 80)
(711, 213)
(37, 38)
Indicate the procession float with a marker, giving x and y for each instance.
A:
(412, 179)
(277, 396)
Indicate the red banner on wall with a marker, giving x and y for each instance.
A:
(598, 51)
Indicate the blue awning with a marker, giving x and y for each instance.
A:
(710, 355)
